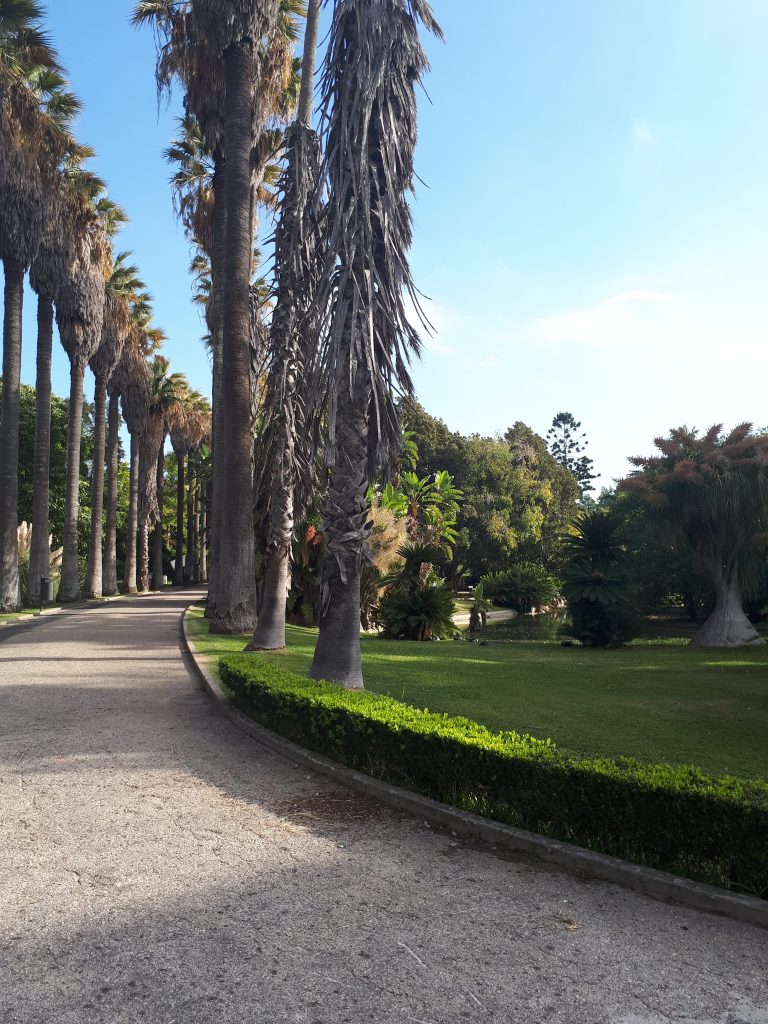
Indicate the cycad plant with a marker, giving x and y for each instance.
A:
(418, 604)
(373, 64)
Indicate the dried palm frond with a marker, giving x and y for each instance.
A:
(150, 443)
(133, 379)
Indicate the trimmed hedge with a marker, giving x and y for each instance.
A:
(669, 817)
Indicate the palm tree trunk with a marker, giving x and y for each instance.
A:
(39, 556)
(69, 589)
(196, 532)
(178, 572)
(129, 576)
(93, 578)
(345, 526)
(144, 556)
(728, 625)
(157, 548)
(204, 540)
(233, 609)
(9, 436)
(216, 327)
(269, 634)
(109, 583)
(189, 562)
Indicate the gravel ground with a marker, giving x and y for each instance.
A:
(158, 866)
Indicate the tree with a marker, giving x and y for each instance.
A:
(713, 490)
(567, 446)
(373, 63)
(30, 148)
(289, 429)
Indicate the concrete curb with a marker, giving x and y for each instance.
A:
(658, 885)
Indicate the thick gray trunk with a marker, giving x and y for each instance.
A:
(727, 626)
(129, 576)
(93, 576)
(178, 570)
(157, 538)
(216, 327)
(39, 556)
(69, 589)
(144, 556)
(109, 580)
(304, 114)
(9, 437)
(232, 609)
(269, 634)
(337, 654)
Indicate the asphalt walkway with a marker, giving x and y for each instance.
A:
(159, 866)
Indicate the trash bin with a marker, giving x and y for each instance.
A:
(46, 590)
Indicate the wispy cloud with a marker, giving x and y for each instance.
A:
(643, 134)
(623, 317)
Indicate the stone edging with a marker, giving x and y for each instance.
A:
(658, 885)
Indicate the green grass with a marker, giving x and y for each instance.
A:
(654, 701)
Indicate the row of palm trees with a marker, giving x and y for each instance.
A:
(338, 344)
(58, 225)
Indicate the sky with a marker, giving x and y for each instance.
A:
(591, 228)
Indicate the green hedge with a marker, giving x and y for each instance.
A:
(674, 818)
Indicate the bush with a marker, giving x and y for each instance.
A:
(673, 818)
(523, 587)
(418, 604)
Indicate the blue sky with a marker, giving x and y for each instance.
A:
(592, 232)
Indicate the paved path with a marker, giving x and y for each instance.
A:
(158, 866)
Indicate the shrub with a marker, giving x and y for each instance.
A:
(597, 581)
(673, 818)
(418, 604)
(523, 587)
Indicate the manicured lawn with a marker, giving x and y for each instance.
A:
(656, 702)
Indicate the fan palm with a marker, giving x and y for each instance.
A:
(31, 146)
(189, 426)
(373, 64)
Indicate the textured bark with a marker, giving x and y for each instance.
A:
(204, 541)
(69, 589)
(157, 537)
(143, 556)
(727, 626)
(345, 526)
(9, 437)
(216, 327)
(109, 580)
(269, 634)
(304, 113)
(178, 571)
(129, 576)
(232, 610)
(93, 576)
(39, 556)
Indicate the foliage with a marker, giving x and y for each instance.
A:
(517, 500)
(430, 505)
(567, 446)
(673, 818)
(418, 604)
(524, 587)
(597, 581)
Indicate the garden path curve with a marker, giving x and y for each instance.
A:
(159, 866)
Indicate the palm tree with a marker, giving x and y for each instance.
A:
(287, 448)
(123, 284)
(31, 146)
(189, 427)
(373, 63)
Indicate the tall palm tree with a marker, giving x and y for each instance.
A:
(288, 458)
(123, 285)
(30, 148)
(190, 426)
(373, 64)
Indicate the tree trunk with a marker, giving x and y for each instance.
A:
(727, 626)
(345, 526)
(269, 634)
(109, 582)
(233, 607)
(93, 577)
(215, 325)
(144, 556)
(9, 437)
(157, 544)
(196, 532)
(129, 576)
(204, 539)
(39, 556)
(178, 571)
(190, 562)
(69, 589)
